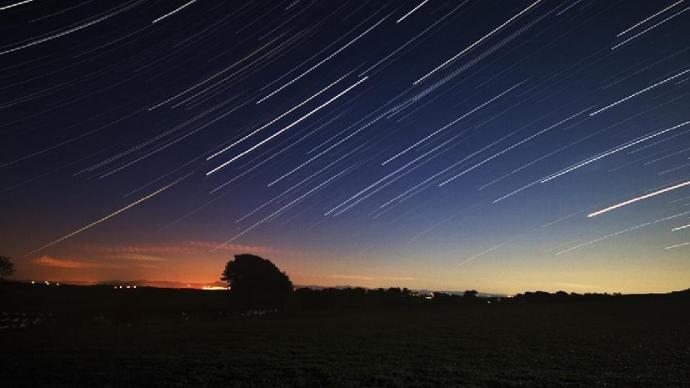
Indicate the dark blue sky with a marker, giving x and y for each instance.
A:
(427, 144)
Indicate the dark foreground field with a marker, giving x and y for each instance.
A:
(628, 342)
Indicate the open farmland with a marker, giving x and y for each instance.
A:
(624, 341)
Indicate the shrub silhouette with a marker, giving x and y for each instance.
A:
(6, 267)
(255, 281)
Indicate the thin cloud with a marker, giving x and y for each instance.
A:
(54, 262)
(177, 248)
(371, 278)
(137, 257)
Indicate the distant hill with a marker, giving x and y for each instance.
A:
(161, 284)
(176, 284)
(196, 285)
(461, 293)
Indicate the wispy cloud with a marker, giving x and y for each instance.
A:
(578, 286)
(54, 262)
(137, 257)
(175, 248)
(371, 278)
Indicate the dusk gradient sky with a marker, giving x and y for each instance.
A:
(440, 145)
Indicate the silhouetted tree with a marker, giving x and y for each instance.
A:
(6, 267)
(255, 281)
(471, 294)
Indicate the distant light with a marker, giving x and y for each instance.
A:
(134, 286)
(33, 282)
(128, 286)
(47, 283)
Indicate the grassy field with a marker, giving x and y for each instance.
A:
(628, 343)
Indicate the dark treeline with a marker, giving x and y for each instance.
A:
(71, 299)
(355, 298)
(360, 297)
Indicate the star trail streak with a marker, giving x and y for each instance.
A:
(640, 198)
(411, 11)
(70, 30)
(321, 62)
(596, 112)
(648, 18)
(291, 203)
(174, 11)
(468, 48)
(252, 148)
(613, 151)
(685, 244)
(18, 4)
(650, 28)
(111, 215)
(620, 232)
(277, 118)
(681, 228)
(450, 124)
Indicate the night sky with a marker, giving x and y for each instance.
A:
(497, 145)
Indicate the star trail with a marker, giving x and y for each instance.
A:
(454, 144)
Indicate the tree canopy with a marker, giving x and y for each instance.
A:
(256, 281)
(6, 266)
